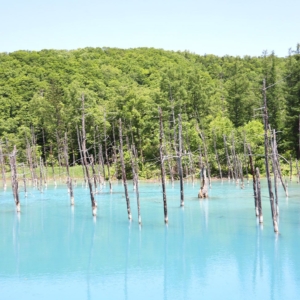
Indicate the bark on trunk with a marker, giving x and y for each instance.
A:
(254, 181)
(179, 160)
(84, 153)
(275, 224)
(203, 192)
(3, 171)
(123, 171)
(260, 214)
(162, 167)
(14, 178)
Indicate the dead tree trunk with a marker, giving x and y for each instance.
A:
(275, 224)
(234, 160)
(203, 192)
(191, 161)
(227, 159)
(291, 168)
(170, 166)
(3, 171)
(245, 157)
(299, 137)
(45, 155)
(254, 181)
(106, 155)
(24, 180)
(81, 155)
(206, 159)
(162, 167)
(179, 161)
(92, 163)
(205, 154)
(84, 153)
(69, 179)
(101, 178)
(298, 172)
(274, 169)
(131, 161)
(52, 164)
(14, 178)
(136, 179)
(240, 171)
(217, 156)
(29, 159)
(192, 169)
(41, 175)
(35, 163)
(115, 152)
(200, 162)
(278, 165)
(101, 160)
(260, 214)
(123, 171)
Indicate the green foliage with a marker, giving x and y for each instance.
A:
(219, 94)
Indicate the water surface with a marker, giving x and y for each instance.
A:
(211, 249)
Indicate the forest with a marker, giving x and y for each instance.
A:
(211, 100)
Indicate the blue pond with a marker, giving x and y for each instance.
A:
(211, 249)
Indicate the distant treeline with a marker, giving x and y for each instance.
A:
(40, 93)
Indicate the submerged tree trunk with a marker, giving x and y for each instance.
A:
(69, 179)
(123, 171)
(2, 162)
(14, 178)
(298, 172)
(115, 152)
(203, 192)
(52, 165)
(79, 139)
(136, 179)
(44, 149)
(162, 167)
(217, 156)
(85, 162)
(24, 180)
(260, 214)
(205, 154)
(131, 161)
(41, 174)
(102, 163)
(254, 181)
(275, 224)
(179, 161)
(245, 157)
(92, 164)
(291, 168)
(227, 159)
(234, 161)
(106, 155)
(275, 172)
(29, 159)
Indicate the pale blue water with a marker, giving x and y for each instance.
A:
(211, 249)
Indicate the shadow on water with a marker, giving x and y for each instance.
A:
(166, 263)
(90, 261)
(204, 207)
(126, 261)
(275, 270)
(258, 259)
(183, 253)
(16, 240)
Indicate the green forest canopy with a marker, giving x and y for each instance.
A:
(42, 90)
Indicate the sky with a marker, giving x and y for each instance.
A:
(228, 27)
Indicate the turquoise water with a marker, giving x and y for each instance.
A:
(211, 249)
